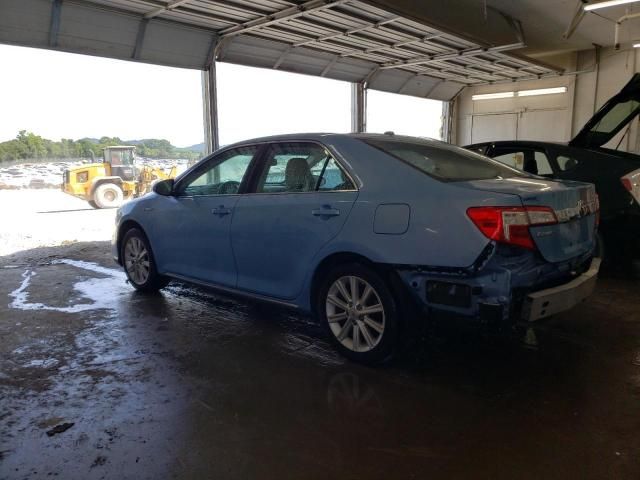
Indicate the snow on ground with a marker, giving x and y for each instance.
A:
(32, 218)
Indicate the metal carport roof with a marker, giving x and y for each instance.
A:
(349, 40)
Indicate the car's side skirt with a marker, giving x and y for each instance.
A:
(232, 291)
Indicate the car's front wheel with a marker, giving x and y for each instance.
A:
(108, 195)
(139, 263)
(359, 313)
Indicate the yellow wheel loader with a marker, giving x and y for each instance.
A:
(116, 179)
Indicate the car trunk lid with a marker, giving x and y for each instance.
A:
(614, 115)
(574, 203)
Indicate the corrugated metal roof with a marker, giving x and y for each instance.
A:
(343, 39)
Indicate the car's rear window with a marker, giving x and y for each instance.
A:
(443, 161)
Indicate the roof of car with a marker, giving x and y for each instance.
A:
(326, 136)
(532, 143)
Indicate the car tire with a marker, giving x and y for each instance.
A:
(139, 263)
(374, 339)
(108, 195)
(93, 204)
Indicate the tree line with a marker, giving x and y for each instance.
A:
(32, 147)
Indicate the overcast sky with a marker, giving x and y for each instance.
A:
(60, 95)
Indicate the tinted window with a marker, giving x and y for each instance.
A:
(566, 163)
(444, 161)
(531, 161)
(334, 178)
(222, 175)
(616, 116)
(478, 149)
(300, 167)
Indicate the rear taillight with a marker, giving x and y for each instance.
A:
(631, 183)
(511, 224)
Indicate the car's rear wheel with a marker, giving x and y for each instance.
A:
(139, 263)
(93, 204)
(359, 313)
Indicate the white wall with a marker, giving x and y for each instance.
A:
(555, 117)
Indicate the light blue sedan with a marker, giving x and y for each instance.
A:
(368, 233)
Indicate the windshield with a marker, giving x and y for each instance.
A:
(443, 161)
(117, 157)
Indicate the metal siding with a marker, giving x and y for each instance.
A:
(83, 32)
(334, 38)
(175, 45)
(25, 22)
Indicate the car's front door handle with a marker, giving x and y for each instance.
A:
(326, 211)
(221, 211)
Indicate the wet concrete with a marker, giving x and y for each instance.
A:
(187, 384)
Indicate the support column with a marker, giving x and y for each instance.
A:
(358, 107)
(210, 99)
(54, 26)
(446, 130)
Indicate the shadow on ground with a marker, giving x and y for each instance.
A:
(187, 384)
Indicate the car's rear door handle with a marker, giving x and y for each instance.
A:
(221, 211)
(326, 211)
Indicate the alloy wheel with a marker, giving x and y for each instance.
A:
(355, 313)
(136, 258)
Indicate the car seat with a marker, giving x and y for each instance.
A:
(297, 176)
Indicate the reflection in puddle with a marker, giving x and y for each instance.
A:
(348, 394)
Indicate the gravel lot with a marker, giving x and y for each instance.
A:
(38, 218)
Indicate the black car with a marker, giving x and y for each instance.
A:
(616, 174)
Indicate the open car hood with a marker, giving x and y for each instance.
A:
(614, 115)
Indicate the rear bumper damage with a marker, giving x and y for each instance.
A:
(550, 301)
(507, 285)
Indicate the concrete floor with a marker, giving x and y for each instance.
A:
(190, 385)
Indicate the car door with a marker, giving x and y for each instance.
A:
(300, 201)
(192, 226)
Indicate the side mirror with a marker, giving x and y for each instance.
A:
(164, 187)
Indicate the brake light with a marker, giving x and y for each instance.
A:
(631, 183)
(511, 224)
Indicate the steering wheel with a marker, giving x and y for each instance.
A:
(229, 187)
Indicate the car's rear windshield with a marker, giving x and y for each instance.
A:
(443, 161)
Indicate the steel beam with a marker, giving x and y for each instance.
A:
(358, 107)
(575, 20)
(282, 57)
(393, 46)
(351, 31)
(329, 66)
(54, 28)
(170, 6)
(142, 29)
(424, 60)
(210, 110)
(281, 16)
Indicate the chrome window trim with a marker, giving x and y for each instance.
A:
(210, 157)
(339, 159)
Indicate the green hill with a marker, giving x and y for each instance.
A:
(32, 147)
